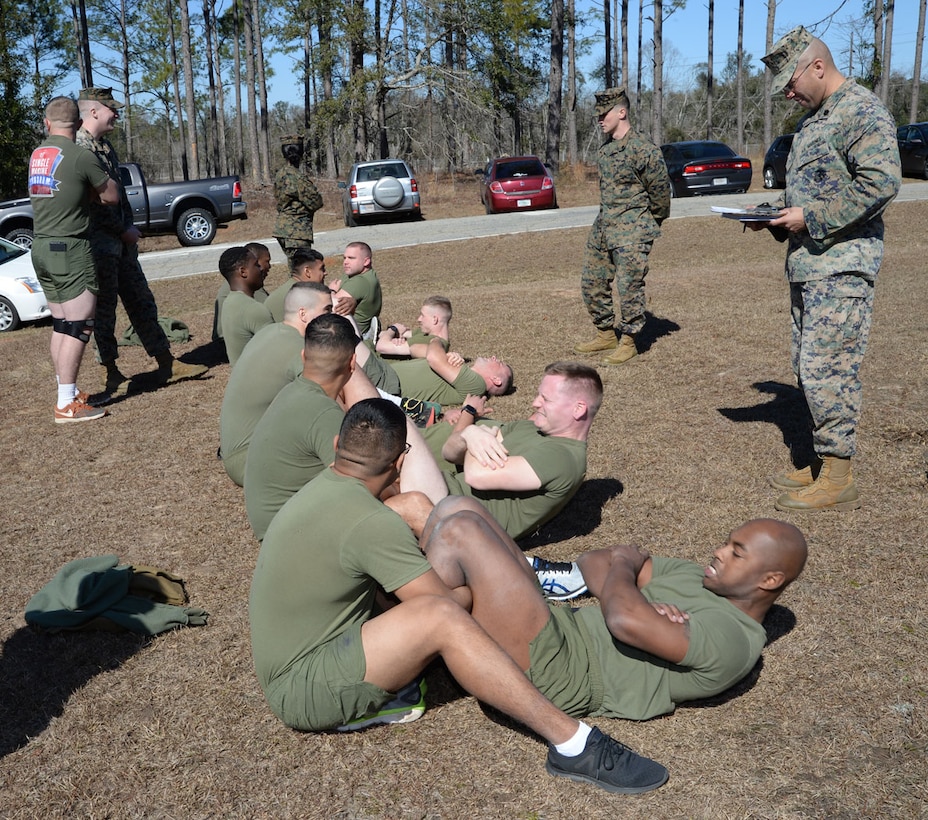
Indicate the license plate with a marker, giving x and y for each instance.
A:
(720, 181)
(523, 203)
(366, 207)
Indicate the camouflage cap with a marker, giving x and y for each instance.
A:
(291, 139)
(784, 57)
(100, 95)
(609, 99)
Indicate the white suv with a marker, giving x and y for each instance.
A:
(379, 188)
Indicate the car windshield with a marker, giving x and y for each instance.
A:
(374, 172)
(520, 168)
(9, 251)
(702, 150)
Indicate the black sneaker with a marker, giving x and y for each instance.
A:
(560, 580)
(423, 413)
(608, 764)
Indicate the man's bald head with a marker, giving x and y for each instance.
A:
(62, 113)
(783, 546)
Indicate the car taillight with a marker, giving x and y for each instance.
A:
(547, 184)
(721, 165)
(413, 185)
(497, 188)
(353, 192)
(237, 190)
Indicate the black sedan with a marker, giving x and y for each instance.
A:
(775, 162)
(700, 167)
(913, 148)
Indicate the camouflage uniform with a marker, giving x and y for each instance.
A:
(843, 171)
(634, 200)
(118, 270)
(297, 201)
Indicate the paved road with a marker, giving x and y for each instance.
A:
(191, 261)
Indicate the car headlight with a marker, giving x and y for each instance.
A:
(30, 284)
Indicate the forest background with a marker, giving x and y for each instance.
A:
(445, 84)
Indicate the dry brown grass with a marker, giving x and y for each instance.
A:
(832, 725)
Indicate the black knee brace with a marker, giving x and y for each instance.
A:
(81, 329)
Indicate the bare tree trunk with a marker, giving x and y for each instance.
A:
(917, 71)
(356, 77)
(189, 98)
(768, 77)
(710, 74)
(326, 63)
(888, 15)
(572, 148)
(79, 12)
(264, 145)
(237, 73)
(657, 104)
(126, 88)
(185, 171)
(555, 86)
(616, 56)
(739, 79)
(252, 118)
(623, 23)
(212, 71)
(608, 71)
(638, 78)
(876, 71)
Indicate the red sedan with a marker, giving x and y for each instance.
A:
(517, 184)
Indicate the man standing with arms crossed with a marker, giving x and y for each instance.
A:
(114, 243)
(63, 179)
(842, 173)
(634, 191)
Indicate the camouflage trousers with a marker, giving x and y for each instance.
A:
(121, 278)
(627, 267)
(290, 244)
(831, 325)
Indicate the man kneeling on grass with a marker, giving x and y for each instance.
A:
(326, 661)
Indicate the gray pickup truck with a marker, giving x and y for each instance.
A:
(192, 210)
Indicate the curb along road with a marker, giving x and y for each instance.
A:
(174, 264)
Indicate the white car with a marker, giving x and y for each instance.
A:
(21, 296)
(381, 188)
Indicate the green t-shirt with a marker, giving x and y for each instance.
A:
(419, 381)
(221, 295)
(725, 643)
(269, 362)
(242, 318)
(291, 445)
(61, 176)
(275, 302)
(365, 287)
(318, 570)
(559, 463)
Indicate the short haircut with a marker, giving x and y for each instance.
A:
(292, 152)
(363, 247)
(303, 256)
(582, 378)
(440, 303)
(232, 259)
(329, 336)
(62, 112)
(258, 248)
(304, 295)
(373, 434)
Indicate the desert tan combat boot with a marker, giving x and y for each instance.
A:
(834, 489)
(170, 370)
(796, 479)
(626, 350)
(605, 340)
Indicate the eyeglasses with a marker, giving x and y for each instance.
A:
(791, 85)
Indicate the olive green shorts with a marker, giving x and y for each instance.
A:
(64, 267)
(325, 688)
(560, 664)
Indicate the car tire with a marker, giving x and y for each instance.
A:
(9, 318)
(388, 192)
(196, 227)
(21, 237)
(925, 169)
(770, 178)
(350, 221)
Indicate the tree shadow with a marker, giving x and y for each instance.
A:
(787, 409)
(655, 327)
(581, 516)
(40, 670)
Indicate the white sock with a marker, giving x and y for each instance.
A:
(576, 744)
(66, 394)
(389, 397)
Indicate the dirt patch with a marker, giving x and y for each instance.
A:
(832, 723)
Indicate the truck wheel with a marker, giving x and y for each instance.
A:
(21, 237)
(196, 227)
(9, 318)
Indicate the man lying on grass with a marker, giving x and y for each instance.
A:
(325, 660)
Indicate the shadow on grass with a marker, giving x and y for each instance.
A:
(787, 409)
(39, 671)
(581, 516)
(655, 328)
